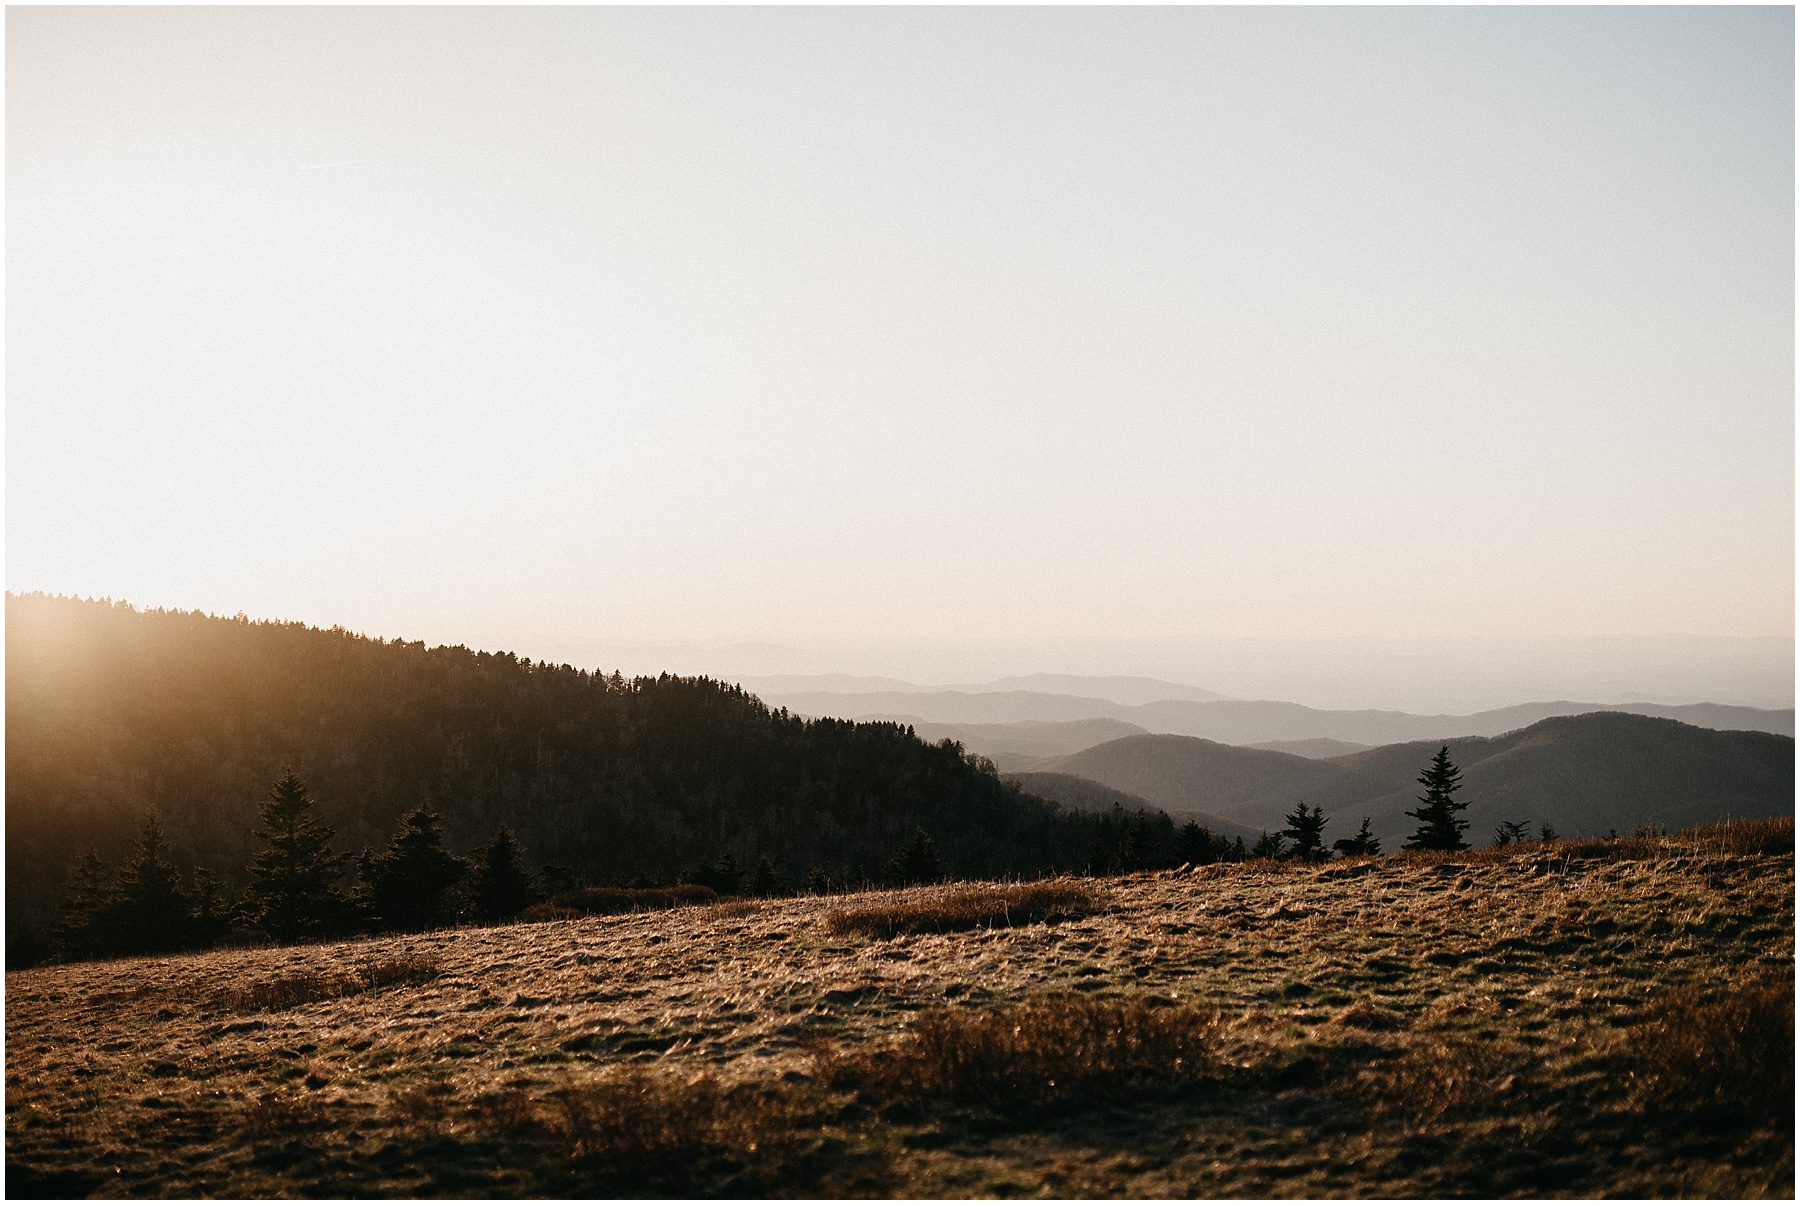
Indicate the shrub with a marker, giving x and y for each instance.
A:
(312, 986)
(1720, 1057)
(628, 1132)
(961, 908)
(1051, 1050)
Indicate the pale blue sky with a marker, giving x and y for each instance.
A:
(1068, 338)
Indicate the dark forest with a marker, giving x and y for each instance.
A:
(113, 711)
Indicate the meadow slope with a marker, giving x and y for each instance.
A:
(1434, 1025)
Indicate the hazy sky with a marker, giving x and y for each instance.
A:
(1071, 338)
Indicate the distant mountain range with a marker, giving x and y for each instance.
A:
(1021, 745)
(1586, 774)
(1230, 721)
(1073, 791)
(1114, 688)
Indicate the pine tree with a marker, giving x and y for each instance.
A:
(499, 884)
(1139, 851)
(1267, 846)
(1307, 828)
(729, 880)
(1197, 844)
(767, 879)
(1439, 827)
(212, 908)
(917, 862)
(1364, 845)
(151, 910)
(293, 881)
(1546, 832)
(82, 932)
(408, 884)
(1509, 831)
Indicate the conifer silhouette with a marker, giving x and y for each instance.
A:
(767, 879)
(917, 862)
(293, 885)
(82, 932)
(407, 885)
(499, 884)
(1197, 844)
(1364, 845)
(1307, 829)
(1439, 828)
(1509, 831)
(151, 909)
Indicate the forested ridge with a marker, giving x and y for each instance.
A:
(112, 711)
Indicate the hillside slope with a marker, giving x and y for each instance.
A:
(1586, 774)
(1073, 791)
(1019, 745)
(1490, 1026)
(111, 710)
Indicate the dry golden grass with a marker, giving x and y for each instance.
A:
(1048, 1050)
(311, 986)
(956, 909)
(1525, 1022)
(1722, 1054)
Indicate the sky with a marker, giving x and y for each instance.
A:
(1395, 355)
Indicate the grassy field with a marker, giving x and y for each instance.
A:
(1602, 1018)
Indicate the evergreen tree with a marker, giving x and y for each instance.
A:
(729, 880)
(1439, 826)
(1546, 832)
(1267, 846)
(767, 879)
(408, 884)
(152, 913)
(1364, 845)
(293, 880)
(1197, 844)
(917, 862)
(82, 932)
(1509, 831)
(1238, 852)
(1307, 828)
(1139, 851)
(212, 908)
(499, 884)
(724, 878)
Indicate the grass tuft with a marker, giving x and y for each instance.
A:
(1720, 1056)
(960, 908)
(310, 986)
(1055, 1049)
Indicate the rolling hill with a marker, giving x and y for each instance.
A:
(1587, 774)
(1245, 721)
(112, 711)
(1317, 747)
(1073, 791)
(1021, 745)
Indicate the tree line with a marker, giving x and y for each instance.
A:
(294, 892)
(295, 888)
(114, 711)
